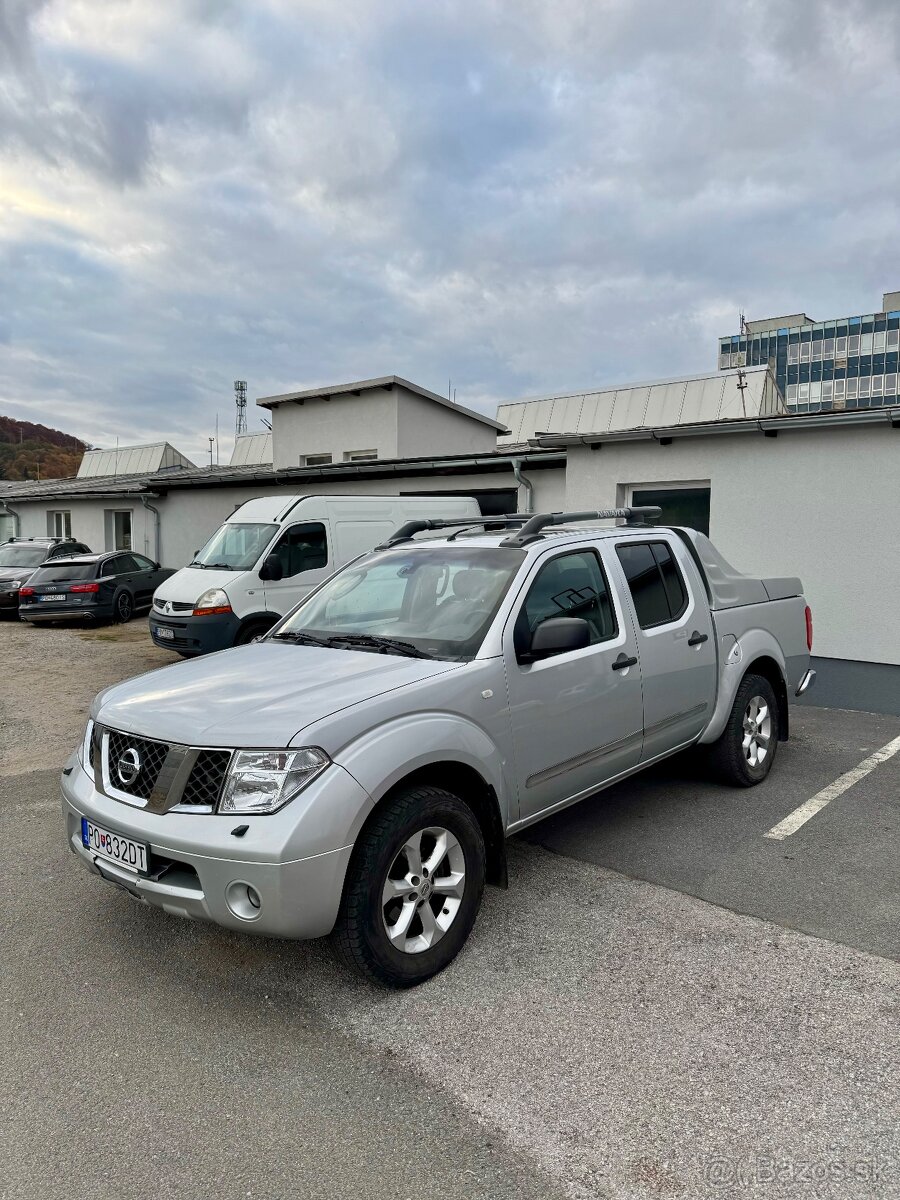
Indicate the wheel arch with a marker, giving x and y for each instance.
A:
(466, 782)
(768, 668)
(258, 620)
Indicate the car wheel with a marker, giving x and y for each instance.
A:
(123, 608)
(413, 888)
(245, 636)
(744, 753)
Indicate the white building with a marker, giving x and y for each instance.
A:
(810, 495)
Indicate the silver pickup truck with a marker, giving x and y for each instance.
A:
(357, 770)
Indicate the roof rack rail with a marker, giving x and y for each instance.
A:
(406, 532)
(533, 529)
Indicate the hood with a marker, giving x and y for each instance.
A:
(257, 695)
(22, 573)
(188, 585)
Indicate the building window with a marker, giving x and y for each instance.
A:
(315, 460)
(59, 524)
(680, 505)
(360, 455)
(119, 529)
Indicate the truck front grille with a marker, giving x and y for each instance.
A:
(205, 783)
(127, 754)
(149, 771)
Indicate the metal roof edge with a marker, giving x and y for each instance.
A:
(776, 424)
(366, 385)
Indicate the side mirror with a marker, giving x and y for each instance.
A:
(272, 568)
(558, 635)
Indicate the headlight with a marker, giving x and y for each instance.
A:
(84, 750)
(213, 601)
(10, 585)
(262, 781)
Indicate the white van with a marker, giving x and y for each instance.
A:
(269, 554)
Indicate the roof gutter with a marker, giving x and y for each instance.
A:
(763, 425)
(11, 512)
(156, 540)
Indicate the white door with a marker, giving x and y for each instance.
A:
(304, 553)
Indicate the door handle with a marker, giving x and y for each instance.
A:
(624, 661)
(697, 638)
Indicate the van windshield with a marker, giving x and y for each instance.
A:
(433, 602)
(235, 547)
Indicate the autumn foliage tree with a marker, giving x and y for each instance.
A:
(29, 451)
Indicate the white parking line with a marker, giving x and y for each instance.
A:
(801, 815)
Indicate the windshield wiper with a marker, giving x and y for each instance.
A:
(386, 645)
(303, 639)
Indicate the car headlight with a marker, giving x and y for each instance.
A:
(213, 601)
(84, 750)
(10, 585)
(262, 781)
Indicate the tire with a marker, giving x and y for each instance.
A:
(743, 756)
(123, 607)
(380, 867)
(248, 633)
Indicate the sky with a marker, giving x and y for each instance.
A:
(524, 196)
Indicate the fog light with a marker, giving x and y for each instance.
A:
(243, 900)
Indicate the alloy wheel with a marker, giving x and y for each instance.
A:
(423, 890)
(757, 726)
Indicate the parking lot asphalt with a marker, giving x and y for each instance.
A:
(837, 877)
(621, 1025)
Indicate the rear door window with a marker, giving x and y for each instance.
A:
(655, 582)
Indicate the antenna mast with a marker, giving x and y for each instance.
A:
(240, 403)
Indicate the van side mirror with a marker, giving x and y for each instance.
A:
(559, 635)
(272, 568)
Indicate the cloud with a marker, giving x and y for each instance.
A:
(525, 195)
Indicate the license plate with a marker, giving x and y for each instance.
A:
(113, 847)
(53, 597)
(166, 634)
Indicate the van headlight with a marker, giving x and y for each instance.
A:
(213, 601)
(262, 781)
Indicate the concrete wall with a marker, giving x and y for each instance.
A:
(189, 515)
(90, 523)
(366, 422)
(426, 428)
(820, 504)
(397, 424)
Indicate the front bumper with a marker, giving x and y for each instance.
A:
(192, 635)
(9, 601)
(195, 860)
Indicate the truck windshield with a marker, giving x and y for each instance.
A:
(235, 547)
(433, 602)
(22, 556)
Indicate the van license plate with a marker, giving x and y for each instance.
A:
(113, 847)
(166, 634)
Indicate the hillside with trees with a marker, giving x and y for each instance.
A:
(29, 451)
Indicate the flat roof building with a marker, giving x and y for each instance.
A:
(842, 363)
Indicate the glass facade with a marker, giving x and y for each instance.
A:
(851, 362)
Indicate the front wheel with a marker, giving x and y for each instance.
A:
(744, 753)
(414, 887)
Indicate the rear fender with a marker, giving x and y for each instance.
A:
(383, 757)
(735, 658)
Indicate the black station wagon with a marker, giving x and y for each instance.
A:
(91, 587)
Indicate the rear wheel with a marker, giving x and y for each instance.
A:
(744, 754)
(123, 608)
(413, 889)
